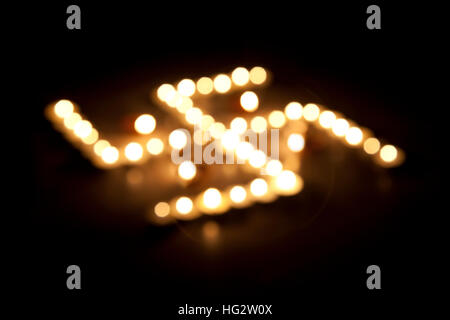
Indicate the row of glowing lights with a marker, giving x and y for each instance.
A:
(211, 200)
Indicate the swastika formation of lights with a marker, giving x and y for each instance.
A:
(273, 177)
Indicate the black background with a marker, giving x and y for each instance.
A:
(376, 77)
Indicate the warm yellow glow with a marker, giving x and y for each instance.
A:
(311, 112)
(133, 151)
(187, 170)
(186, 87)
(286, 180)
(211, 231)
(354, 136)
(230, 140)
(184, 105)
(194, 115)
(371, 145)
(217, 130)
(110, 155)
(175, 100)
(145, 124)
(388, 153)
(64, 108)
(296, 142)
(184, 205)
(222, 83)
(326, 119)
(212, 198)
(258, 187)
(238, 125)
(162, 209)
(277, 119)
(258, 75)
(91, 138)
(240, 76)
(100, 146)
(293, 110)
(257, 158)
(155, 146)
(82, 129)
(238, 194)
(206, 122)
(201, 137)
(273, 167)
(244, 150)
(258, 124)
(165, 92)
(249, 101)
(72, 120)
(177, 139)
(340, 127)
(205, 85)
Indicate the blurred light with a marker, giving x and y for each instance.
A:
(257, 158)
(243, 150)
(186, 87)
(277, 119)
(296, 142)
(134, 176)
(258, 187)
(258, 124)
(72, 120)
(293, 111)
(185, 104)
(371, 145)
(230, 140)
(326, 119)
(258, 75)
(162, 209)
(217, 130)
(63, 108)
(273, 167)
(240, 76)
(100, 146)
(155, 146)
(388, 153)
(238, 194)
(177, 139)
(238, 125)
(187, 170)
(340, 127)
(145, 124)
(194, 115)
(354, 136)
(212, 198)
(286, 180)
(110, 155)
(82, 128)
(311, 112)
(91, 138)
(133, 151)
(249, 101)
(211, 231)
(205, 85)
(175, 100)
(165, 92)
(222, 83)
(184, 205)
(206, 122)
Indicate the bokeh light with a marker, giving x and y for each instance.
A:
(249, 101)
(145, 124)
(178, 139)
(187, 170)
(296, 142)
(134, 151)
(222, 83)
(240, 76)
(155, 146)
(258, 75)
(258, 187)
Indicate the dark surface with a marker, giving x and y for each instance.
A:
(318, 244)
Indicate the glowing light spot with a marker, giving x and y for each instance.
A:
(371, 145)
(133, 151)
(257, 159)
(205, 85)
(222, 83)
(165, 92)
(175, 100)
(185, 104)
(82, 128)
(110, 155)
(286, 180)
(311, 112)
(238, 125)
(100, 146)
(178, 139)
(230, 140)
(354, 136)
(194, 115)
(184, 205)
(238, 194)
(187, 170)
(64, 108)
(162, 209)
(326, 119)
(388, 153)
(258, 187)
(211, 231)
(296, 142)
(258, 124)
(212, 198)
(186, 87)
(277, 119)
(340, 127)
(206, 122)
(72, 120)
(240, 76)
(258, 75)
(155, 146)
(243, 150)
(145, 124)
(217, 130)
(91, 138)
(293, 110)
(273, 167)
(249, 101)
